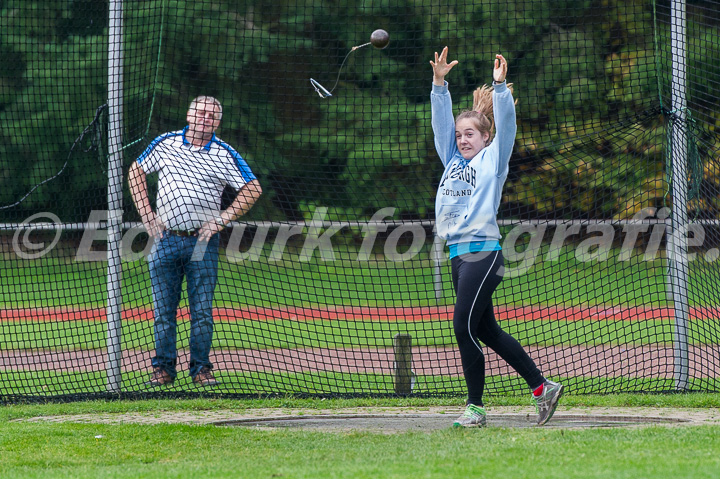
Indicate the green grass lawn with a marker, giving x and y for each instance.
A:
(87, 450)
(257, 334)
(61, 281)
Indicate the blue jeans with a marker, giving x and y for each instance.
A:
(170, 260)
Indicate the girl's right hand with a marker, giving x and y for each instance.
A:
(154, 225)
(441, 67)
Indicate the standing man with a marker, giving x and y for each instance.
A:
(194, 166)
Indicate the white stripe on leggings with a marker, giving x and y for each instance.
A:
(475, 300)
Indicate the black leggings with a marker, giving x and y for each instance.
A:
(475, 277)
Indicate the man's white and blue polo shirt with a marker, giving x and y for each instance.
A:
(191, 179)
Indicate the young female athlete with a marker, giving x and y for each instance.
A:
(476, 166)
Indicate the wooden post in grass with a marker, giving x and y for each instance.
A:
(402, 346)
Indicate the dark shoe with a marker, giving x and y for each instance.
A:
(547, 402)
(160, 377)
(205, 378)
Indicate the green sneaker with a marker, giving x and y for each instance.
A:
(474, 416)
(547, 402)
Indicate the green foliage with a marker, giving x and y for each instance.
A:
(586, 77)
(62, 84)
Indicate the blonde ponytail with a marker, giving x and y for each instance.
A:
(482, 109)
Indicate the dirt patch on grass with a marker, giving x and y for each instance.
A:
(392, 419)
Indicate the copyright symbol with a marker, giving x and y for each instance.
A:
(24, 247)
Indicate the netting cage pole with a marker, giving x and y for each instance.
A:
(678, 151)
(114, 222)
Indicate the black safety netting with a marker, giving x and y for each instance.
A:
(331, 280)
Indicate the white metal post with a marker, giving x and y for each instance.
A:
(677, 239)
(438, 258)
(115, 178)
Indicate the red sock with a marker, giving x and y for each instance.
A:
(538, 391)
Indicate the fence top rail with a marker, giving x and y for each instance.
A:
(79, 226)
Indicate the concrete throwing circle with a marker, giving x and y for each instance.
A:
(428, 422)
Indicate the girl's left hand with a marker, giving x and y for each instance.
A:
(500, 69)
